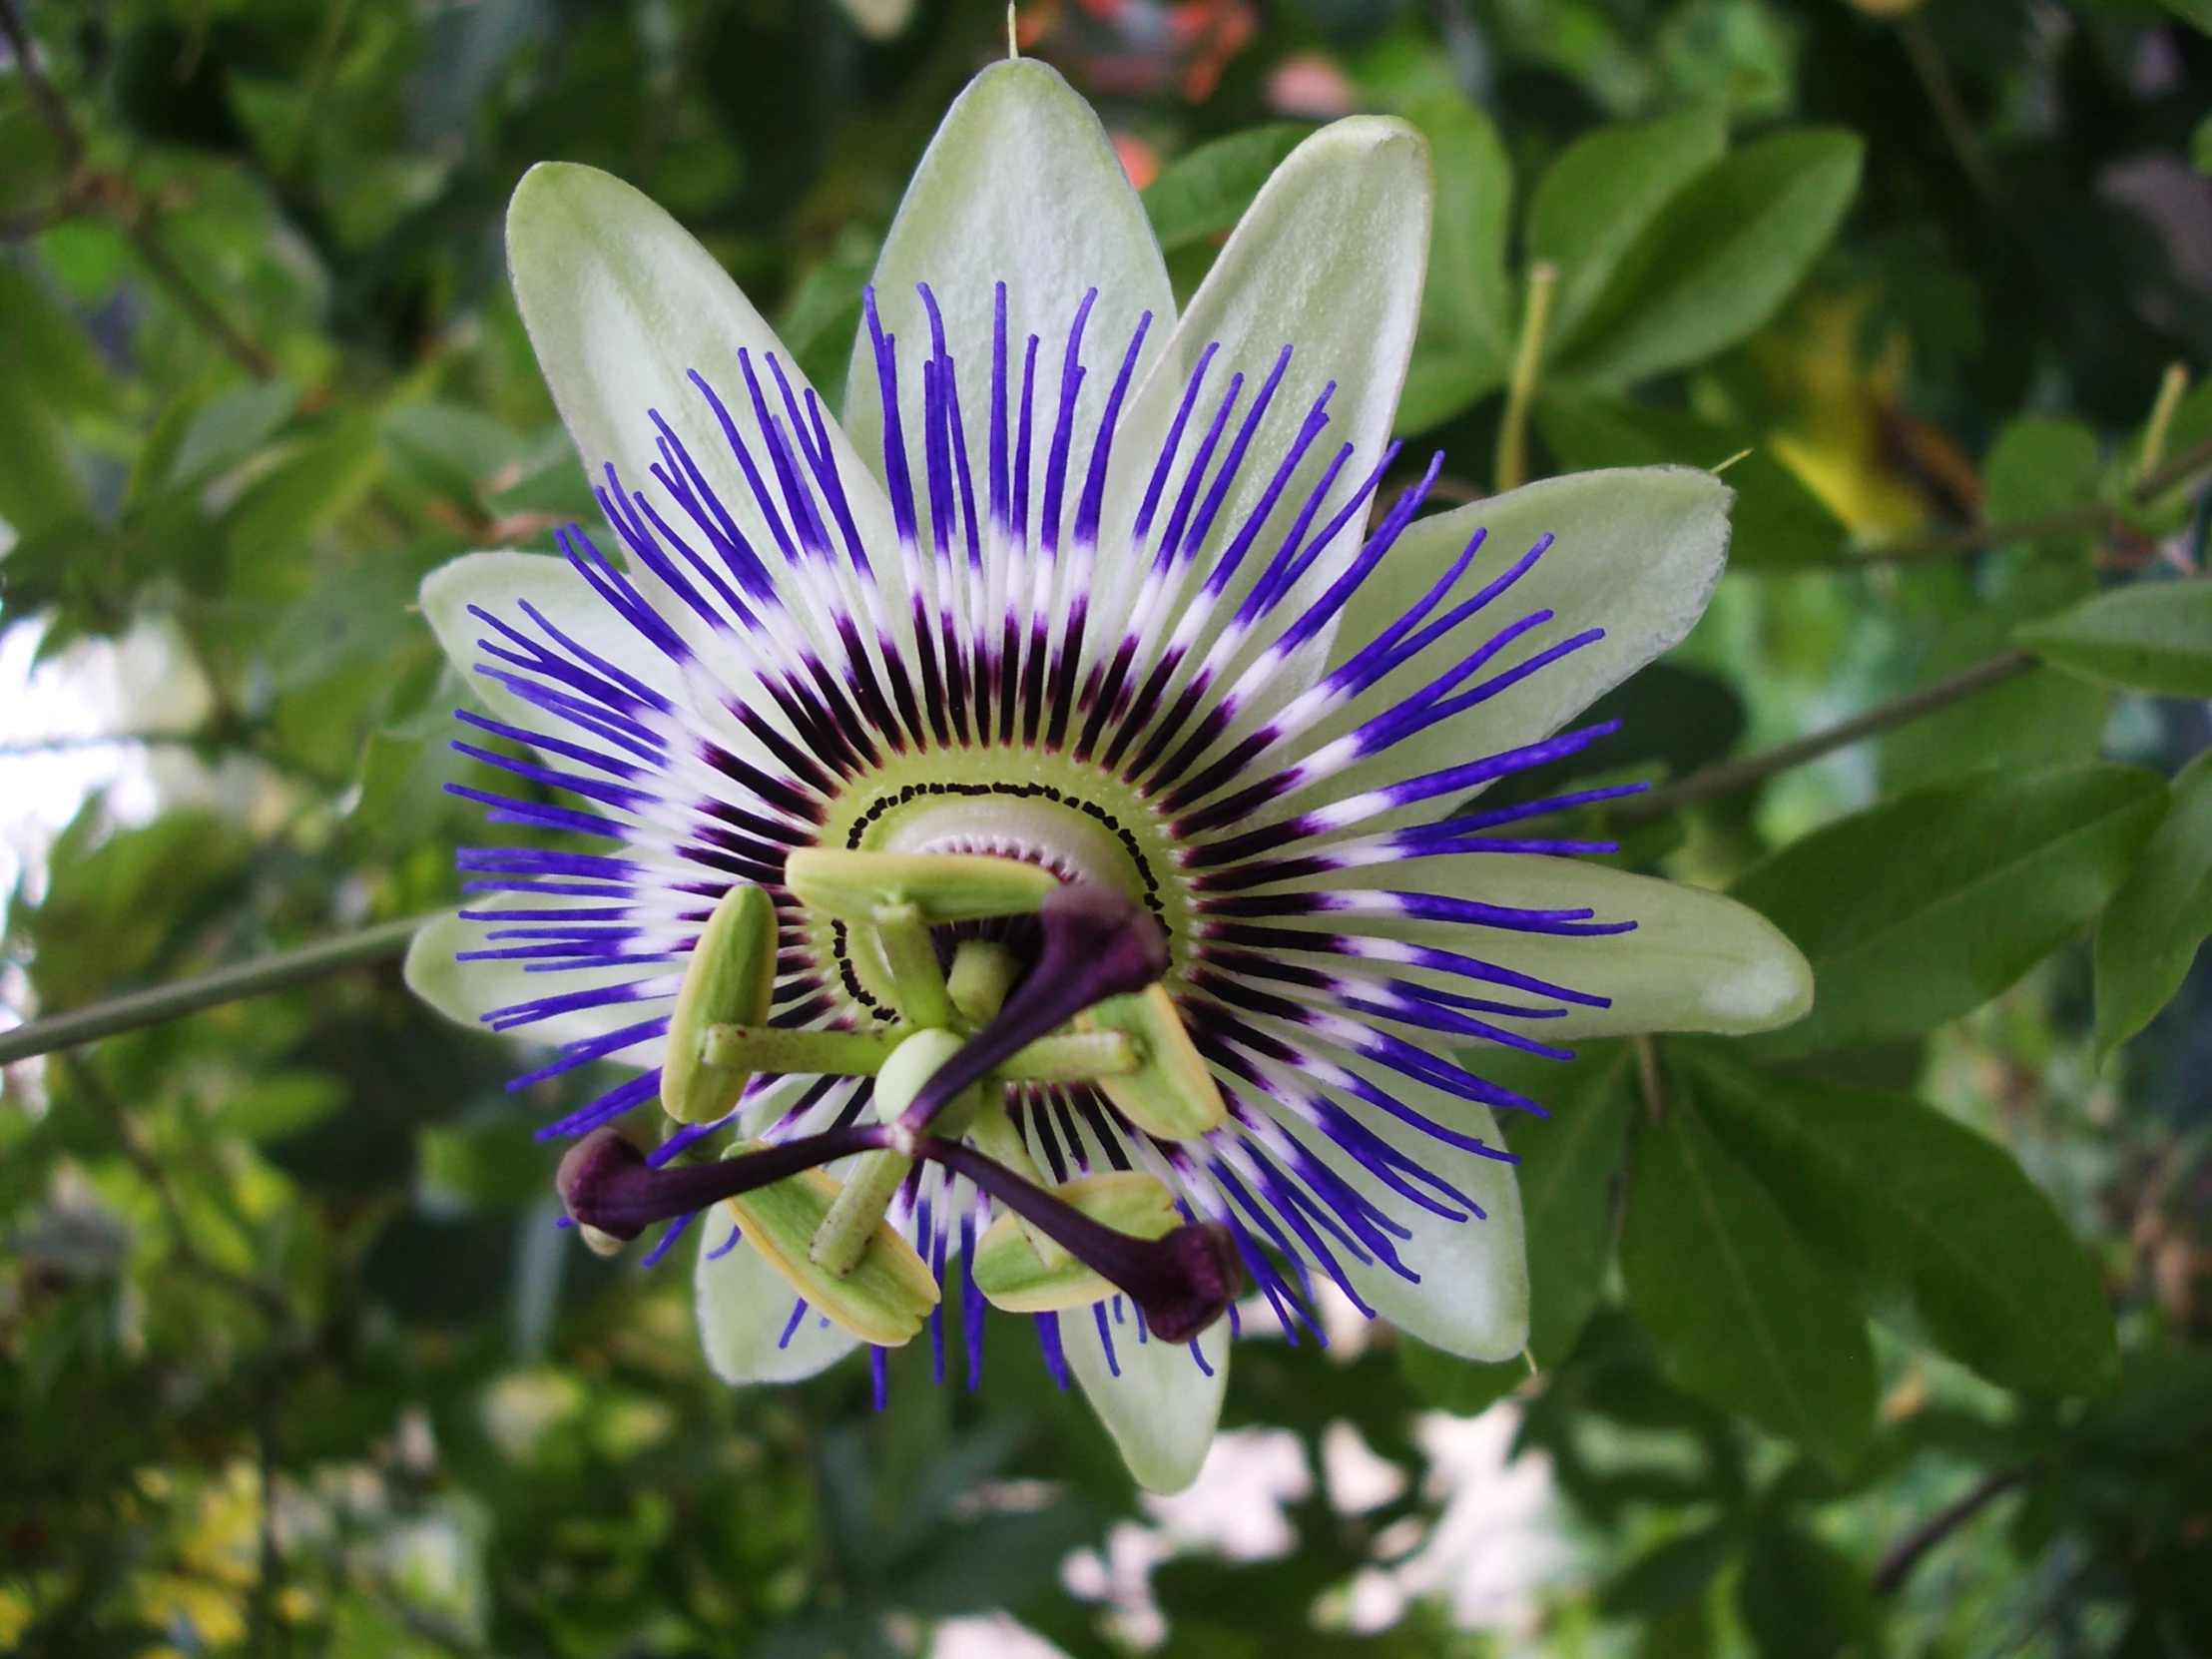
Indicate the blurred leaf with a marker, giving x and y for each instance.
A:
(1936, 1229)
(360, 614)
(2148, 936)
(1737, 1312)
(1923, 907)
(1464, 1388)
(293, 503)
(1801, 1599)
(1720, 259)
(1602, 194)
(1776, 521)
(230, 428)
(1669, 1574)
(450, 449)
(1204, 192)
(282, 1104)
(39, 342)
(2039, 466)
(2152, 637)
(819, 326)
(1465, 343)
(1686, 1632)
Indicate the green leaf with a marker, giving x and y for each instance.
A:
(1776, 521)
(294, 502)
(2149, 934)
(452, 451)
(1720, 261)
(2152, 637)
(2041, 465)
(1205, 192)
(1921, 909)
(1465, 340)
(1669, 1574)
(230, 428)
(1801, 1599)
(1736, 1309)
(1601, 194)
(1464, 1388)
(1936, 1229)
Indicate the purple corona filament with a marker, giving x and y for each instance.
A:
(784, 641)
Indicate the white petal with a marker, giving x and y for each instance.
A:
(1161, 1410)
(501, 583)
(1329, 261)
(1019, 186)
(1471, 1298)
(745, 1306)
(1696, 961)
(466, 992)
(1636, 551)
(622, 304)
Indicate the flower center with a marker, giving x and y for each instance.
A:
(1072, 818)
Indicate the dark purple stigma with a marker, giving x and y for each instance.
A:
(606, 1183)
(1182, 1282)
(1097, 943)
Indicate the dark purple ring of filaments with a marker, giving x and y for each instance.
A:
(1266, 996)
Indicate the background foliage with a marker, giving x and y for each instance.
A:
(1889, 1332)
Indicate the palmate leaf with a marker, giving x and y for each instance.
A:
(1923, 907)
(1732, 1302)
(1929, 1226)
(1720, 259)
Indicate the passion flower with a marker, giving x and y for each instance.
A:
(1042, 822)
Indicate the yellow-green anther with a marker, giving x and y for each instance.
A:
(598, 1242)
(875, 1175)
(1171, 1094)
(770, 1048)
(1078, 1057)
(728, 982)
(948, 886)
(983, 971)
(1008, 1271)
(890, 1289)
(903, 935)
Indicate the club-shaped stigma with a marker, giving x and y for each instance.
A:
(1182, 1281)
(1097, 943)
(606, 1184)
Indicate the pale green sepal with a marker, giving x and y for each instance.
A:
(890, 1290)
(501, 583)
(466, 992)
(1019, 186)
(1162, 1409)
(1171, 1094)
(1471, 1293)
(1328, 260)
(730, 980)
(1636, 551)
(744, 1308)
(1010, 1276)
(1695, 961)
(621, 302)
(945, 886)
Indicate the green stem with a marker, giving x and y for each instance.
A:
(1511, 470)
(923, 1000)
(259, 977)
(1077, 1057)
(1732, 776)
(769, 1049)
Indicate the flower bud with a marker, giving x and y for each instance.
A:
(728, 982)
